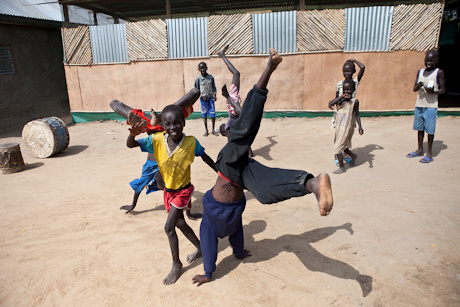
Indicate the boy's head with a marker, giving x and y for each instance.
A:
(348, 88)
(172, 118)
(348, 69)
(222, 130)
(203, 68)
(431, 59)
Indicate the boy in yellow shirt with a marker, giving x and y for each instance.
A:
(174, 153)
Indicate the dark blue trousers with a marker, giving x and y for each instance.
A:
(219, 221)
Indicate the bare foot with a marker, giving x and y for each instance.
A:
(134, 119)
(340, 170)
(194, 256)
(215, 133)
(155, 118)
(275, 58)
(206, 133)
(173, 274)
(222, 52)
(321, 187)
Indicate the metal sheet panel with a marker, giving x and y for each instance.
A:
(187, 37)
(108, 44)
(368, 28)
(274, 30)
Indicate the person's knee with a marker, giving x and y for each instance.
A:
(170, 229)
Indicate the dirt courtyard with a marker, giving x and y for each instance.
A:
(392, 238)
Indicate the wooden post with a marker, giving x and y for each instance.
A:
(65, 8)
(302, 5)
(95, 17)
(168, 9)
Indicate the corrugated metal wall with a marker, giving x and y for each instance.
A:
(187, 37)
(108, 44)
(368, 28)
(412, 27)
(274, 30)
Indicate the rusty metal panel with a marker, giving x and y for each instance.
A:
(368, 28)
(416, 27)
(147, 40)
(108, 44)
(274, 30)
(77, 45)
(235, 30)
(320, 30)
(187, 37)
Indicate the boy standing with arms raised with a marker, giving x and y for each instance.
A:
(428, 84)
(205, 83)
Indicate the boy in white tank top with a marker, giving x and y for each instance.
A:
(428, 84)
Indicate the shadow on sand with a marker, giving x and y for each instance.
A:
(300, 246)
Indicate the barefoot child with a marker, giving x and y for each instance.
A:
(205, 83)
(348, 70)
(233, 98)
(428, 84)
(151, 178)
(348, 112)
(224, 204)
(174, 153)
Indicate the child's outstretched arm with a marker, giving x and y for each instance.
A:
(335, 101)
(358, 118)
(133, 131)
(207, 159)
(361, 68)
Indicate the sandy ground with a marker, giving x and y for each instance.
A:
(392, 238)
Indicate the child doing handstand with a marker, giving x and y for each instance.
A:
(174, 153)
(224, 204)
(232, 96)
(348, 112)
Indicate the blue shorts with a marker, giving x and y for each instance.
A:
(208, 108)
(149, 172)
(425, 119)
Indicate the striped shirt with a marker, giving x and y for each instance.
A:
(425, 99)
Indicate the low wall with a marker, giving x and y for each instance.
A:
(302, 82)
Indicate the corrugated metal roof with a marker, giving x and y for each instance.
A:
(187, 37)
(274, 30)
(31, 9)
(368, 28)
(108, 44)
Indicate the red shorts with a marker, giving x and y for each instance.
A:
(180, 199)
(187, 111)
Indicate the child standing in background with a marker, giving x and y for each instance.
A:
(428, 84)
(205, 83)
(347, 114)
